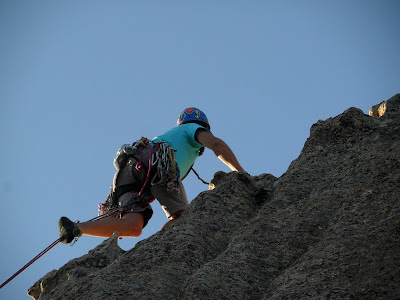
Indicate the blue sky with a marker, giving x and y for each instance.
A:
(80, 78)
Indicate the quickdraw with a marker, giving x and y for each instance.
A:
(167, 168)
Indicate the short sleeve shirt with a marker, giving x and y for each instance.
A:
(182, 139)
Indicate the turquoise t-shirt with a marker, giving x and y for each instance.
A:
(182, 139)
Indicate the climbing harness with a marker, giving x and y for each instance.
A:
(163, 169)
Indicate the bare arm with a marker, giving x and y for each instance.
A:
(220, 148)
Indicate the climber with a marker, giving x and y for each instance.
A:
(150, 169)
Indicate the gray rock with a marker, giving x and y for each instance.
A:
(387, 109)
(329, 228)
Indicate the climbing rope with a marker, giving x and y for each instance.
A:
(32, 261)
(198, 176)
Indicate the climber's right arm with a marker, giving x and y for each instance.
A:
(220, 148)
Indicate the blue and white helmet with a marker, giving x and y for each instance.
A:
(193, 115)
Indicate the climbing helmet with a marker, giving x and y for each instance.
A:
(193, 115)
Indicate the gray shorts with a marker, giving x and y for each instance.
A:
(171, 201)
(129, 199)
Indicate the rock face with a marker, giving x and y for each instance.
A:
(329, 228)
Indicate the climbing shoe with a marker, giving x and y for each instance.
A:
(68, 230)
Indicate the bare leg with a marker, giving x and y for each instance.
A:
(173, 219)
(130, 225)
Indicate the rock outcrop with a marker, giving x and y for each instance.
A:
(329, 228)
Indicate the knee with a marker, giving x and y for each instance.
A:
(136, 232)
(133, 231)
(176, 215)
(133, 224)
